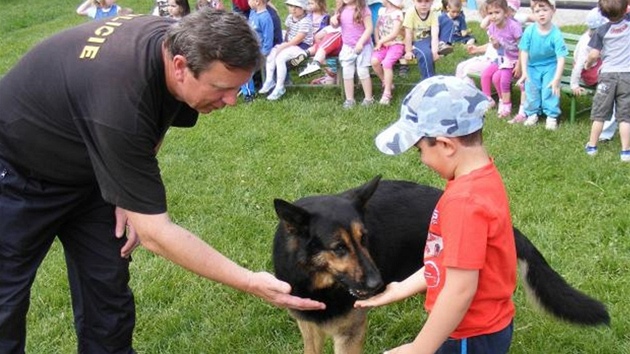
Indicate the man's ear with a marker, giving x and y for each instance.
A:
(448, 144)
(180, 64)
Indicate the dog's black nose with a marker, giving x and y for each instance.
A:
(374, 283)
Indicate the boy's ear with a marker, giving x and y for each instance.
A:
(449, 145)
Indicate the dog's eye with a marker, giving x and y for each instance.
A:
(340, 250)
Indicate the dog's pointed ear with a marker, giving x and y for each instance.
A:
(361, 195)
(294, 219)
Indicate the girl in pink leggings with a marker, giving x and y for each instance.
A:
(504, 33)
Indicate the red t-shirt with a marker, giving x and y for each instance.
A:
(471, 228)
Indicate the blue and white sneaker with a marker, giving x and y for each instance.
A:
(625, 155)
(590, 150)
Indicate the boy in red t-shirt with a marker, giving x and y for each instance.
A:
(469, 272)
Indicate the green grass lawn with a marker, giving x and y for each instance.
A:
(222, 176)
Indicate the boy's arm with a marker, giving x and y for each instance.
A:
(293, 42)
(435, 39)
(579, 60)
(267, 38)
(450, 307)
(408, 43)
(524, 58)
(555, 83)
(593, 55)
(396, 291)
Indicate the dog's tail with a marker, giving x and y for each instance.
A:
(552, 292)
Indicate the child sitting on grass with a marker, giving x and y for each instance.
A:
(543, 53)
(389, 45)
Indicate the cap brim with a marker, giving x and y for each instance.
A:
(396, 139)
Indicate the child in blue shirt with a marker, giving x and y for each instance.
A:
(261, 22)
(543, 53)
(452, 23)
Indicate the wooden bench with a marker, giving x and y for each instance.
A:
(571, 41)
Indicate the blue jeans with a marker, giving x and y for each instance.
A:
(494, 343)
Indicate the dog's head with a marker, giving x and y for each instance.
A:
(328, 240)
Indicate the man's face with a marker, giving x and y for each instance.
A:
(213, 89)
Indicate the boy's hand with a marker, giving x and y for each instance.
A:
(436, 56)
(555, 87)
(578, 91)
(522, 79)
(386, 297)
(409, 55)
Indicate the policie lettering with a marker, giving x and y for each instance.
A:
(95, 42)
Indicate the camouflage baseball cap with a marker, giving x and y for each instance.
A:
(443, 106)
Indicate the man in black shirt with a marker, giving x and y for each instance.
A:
(82, 117)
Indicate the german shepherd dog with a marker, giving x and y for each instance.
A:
(339, 248)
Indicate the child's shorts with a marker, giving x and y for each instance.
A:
(613, 90)
(348, 57)
(389, 55)
(495, 343)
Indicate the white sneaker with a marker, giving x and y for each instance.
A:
(267, 86)
(310, 68)
(551, 123)
(531, 120)
(276, 94)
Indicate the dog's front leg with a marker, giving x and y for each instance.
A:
(312, 336)
(349, 333)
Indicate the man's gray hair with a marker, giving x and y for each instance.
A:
(209, 35)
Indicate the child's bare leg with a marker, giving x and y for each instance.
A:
(348, 88)
(367, 88)
(378, 69)
(366, 82)
(320, 56)
(596, 130)
(388, 75)
(624, 135)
